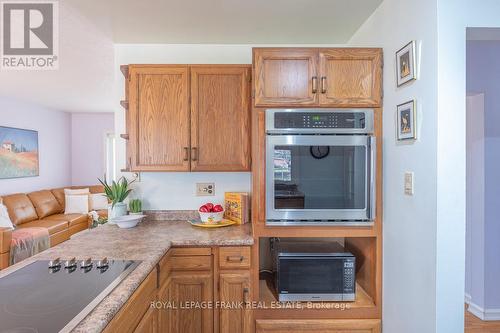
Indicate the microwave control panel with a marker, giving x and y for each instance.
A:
(298, 120)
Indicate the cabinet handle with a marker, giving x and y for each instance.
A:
(246, 291)
(314, 84)
(323, 84)
(186, 154)
(194, 154)
(235, 258)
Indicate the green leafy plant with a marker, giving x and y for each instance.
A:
(135, 205)
(117, 191)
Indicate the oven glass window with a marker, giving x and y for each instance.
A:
(311, 275)
(319, 177)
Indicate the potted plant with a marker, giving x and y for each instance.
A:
(135, 206)
(117, 192)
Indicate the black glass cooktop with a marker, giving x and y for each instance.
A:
(38, 299)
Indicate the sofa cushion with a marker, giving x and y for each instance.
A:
(59, 195)
(54, 226)
(92, 188)
(5, 239)
(20, 208)
(45, 203)
(72, 219)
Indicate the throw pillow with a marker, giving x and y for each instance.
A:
(68, 191)
(5, 221)
(77, 204)
(98, 201)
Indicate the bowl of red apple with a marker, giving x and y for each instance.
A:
(210, 213)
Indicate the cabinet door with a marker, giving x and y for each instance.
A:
(350, 77)
(185, 293)
(317, 326)
(149, 323)
(235, 289)
(285, 76)
(220, 118)
(159, 118)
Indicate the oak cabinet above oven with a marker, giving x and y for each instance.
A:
(329, 77)
(188, 117)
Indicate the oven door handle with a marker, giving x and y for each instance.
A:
(373, 176)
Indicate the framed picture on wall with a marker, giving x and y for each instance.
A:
(406, 121)
(18, 153)
(406, 64)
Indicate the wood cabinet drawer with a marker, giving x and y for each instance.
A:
(190, 251)
(234, 257)
(132, 312)
(195, 263)
(318, 325)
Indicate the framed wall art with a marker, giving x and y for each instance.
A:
(406, 64)
(406, 121)
(18, 153)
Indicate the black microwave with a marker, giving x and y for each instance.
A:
(313, 271)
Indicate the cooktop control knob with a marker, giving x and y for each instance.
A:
(56, 263)
(70, 264)
(104, 263)
(87, 263)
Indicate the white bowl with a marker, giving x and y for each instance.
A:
(128, 221)
(213, 217)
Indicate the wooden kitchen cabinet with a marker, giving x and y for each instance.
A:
(326, 77)
(235, 289)
(350, 77)
(220, 118)
(188, 118)
(159, 130)
(149, 323)
(187, 292)
(285, 76)
(318, 326)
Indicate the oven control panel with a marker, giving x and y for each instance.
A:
(302, 120)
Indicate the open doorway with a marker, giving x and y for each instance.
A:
(482, 288)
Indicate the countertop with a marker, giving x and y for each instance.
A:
(149, 242)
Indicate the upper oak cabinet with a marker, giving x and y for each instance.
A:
(285, 76)
(188, 118)
(220, 118)
(159, 130)
(332, 77)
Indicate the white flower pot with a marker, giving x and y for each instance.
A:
(120, 209)
(138, 213)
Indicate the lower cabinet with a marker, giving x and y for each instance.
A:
(186, 295)
(235, 292)
(318, 326)
(149, 323)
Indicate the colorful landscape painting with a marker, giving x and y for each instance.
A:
(18, 153)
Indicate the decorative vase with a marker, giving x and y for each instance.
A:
(119, 209)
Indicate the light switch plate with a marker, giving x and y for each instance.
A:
(205, 189)
(408, 186)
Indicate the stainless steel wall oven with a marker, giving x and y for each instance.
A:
(320, 167)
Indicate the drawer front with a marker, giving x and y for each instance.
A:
(317, 325)
(234, 257)
(195, 263)
(190, 251)
(132, 312)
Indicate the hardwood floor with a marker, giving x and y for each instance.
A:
(476, 325)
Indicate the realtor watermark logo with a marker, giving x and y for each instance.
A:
(30, 35)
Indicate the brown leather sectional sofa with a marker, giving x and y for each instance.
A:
(45, 209)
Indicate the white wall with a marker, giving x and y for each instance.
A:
(409, 250)
(177, 190)
(54, 139)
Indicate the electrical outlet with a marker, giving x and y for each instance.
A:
(408, 186)
(205, 189)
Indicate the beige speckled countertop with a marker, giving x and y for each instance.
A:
(148, 242)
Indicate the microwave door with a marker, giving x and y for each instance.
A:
(319, 177)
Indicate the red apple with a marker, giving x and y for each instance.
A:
(204, 209)
(210, 206)
(218, 208)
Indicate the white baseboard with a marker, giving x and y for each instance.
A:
(483, 314)
(468, 298)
